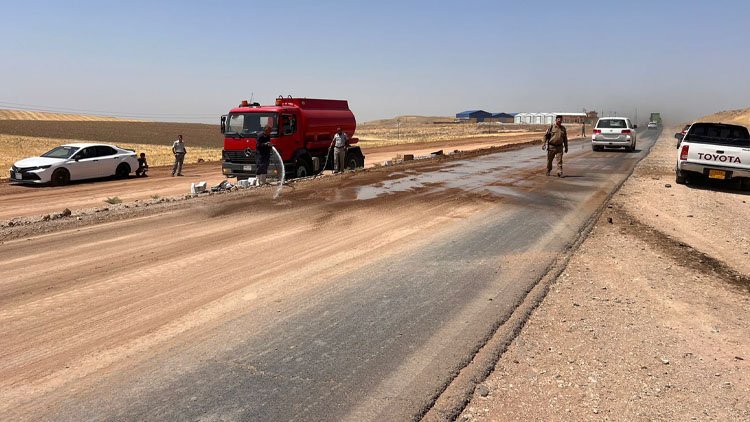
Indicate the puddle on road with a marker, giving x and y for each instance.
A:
(476, 175)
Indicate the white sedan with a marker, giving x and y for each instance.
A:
(75, 162)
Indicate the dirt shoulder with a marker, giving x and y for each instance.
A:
(649, 319)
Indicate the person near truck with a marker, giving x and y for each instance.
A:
(179, 151)
(142, 166)
(340, 142)
(556, 141)
(263, 159)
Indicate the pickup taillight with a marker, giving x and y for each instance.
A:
(684, 152)
(597, 131)
(626, 132)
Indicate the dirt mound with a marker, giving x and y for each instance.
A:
(60, 117)
(737, 117)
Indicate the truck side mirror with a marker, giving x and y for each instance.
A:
(679, 136)
(223, 123)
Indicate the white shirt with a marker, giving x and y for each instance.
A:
(339, 141)
(179, 147)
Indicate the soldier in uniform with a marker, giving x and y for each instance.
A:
(557, 143)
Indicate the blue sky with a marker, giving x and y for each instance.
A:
(192, 61)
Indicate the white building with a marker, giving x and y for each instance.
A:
(547, 118)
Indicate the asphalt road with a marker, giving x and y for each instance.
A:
(380, 337)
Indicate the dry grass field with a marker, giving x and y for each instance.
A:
(62, 117)
(419, 129)
(737, 117)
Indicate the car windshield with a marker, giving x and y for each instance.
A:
(250, 125)
(719, 134)
(611, 124)
(61, 152)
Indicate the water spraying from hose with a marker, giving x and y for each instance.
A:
(282, 172)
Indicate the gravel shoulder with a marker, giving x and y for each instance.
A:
(648, 321)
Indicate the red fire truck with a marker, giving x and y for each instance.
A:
(302, 130)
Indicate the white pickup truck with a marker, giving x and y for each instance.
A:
(715, 151)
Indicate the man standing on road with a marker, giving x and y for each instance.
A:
(179, 151)
(263, 148)
(340, 142)
(557, 144)
(583, 130)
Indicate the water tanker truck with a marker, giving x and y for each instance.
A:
(302, 130)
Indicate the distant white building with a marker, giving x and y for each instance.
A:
(546, 118)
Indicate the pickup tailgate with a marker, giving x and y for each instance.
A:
(721, 147)
(719, 156)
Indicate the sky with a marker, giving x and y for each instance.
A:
(191, 61)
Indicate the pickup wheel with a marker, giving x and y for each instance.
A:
(302, 167)
(745, 184)
(595, 148)
(679, 178)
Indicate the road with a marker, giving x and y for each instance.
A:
(353, 298)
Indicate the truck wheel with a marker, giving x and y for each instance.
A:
(60, 177)
(302, 167)
(745, 185)
(355, 160)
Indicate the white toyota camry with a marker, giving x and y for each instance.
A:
(75, 162)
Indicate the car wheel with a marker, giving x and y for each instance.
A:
(123, 171)
(302, 168)
(60, 177)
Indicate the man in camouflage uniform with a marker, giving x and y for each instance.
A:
(557, 143)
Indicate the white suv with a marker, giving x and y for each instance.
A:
(614, 132)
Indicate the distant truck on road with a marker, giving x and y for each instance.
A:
(302, 130)
(655, 118)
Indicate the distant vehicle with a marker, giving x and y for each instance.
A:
(714, 151)
(656, 118)
(653, 125)
(75, 162)
(614, 132)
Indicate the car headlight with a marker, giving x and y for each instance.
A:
(39, 168)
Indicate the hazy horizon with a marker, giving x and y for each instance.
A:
(192, 61)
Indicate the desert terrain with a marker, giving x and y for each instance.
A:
(644, 320)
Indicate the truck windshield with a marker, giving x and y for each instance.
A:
(718, 134)
(250, 125)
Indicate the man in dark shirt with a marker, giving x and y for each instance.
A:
(263, 157)
(557, 143)
(142, 166)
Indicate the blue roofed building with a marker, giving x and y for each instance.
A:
(475, 115)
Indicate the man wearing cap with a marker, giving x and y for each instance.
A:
(339, 150)
(558, 143)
